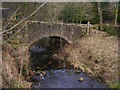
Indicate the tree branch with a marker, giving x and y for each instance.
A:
(24, 18)
(12, 17)
(13, 35)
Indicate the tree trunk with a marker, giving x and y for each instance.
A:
(100, 16)
(116, 14)
(80, 22)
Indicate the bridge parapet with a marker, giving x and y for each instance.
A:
(37, 30)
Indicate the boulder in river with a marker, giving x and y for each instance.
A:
(80, 79)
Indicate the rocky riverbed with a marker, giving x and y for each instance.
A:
(65, 79)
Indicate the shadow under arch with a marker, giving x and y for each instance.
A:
(42, 52)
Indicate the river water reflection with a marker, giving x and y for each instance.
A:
(67, 79)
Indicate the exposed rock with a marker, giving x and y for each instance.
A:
(80, 79)
(41, 72)
(44, 73)
(78, 71)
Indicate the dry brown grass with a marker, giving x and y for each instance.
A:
(96, 54)
(11, 63)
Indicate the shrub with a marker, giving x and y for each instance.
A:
(111, 30)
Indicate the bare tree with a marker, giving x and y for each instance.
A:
(85, 9)
(116, 14)
(24, 18)
(100, 15)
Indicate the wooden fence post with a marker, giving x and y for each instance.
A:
(88, 27)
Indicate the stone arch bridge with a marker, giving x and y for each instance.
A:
(38, 30)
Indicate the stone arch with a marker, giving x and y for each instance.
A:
(36, 57)
(62, 37)
(52, 35)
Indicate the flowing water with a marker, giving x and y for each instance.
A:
(59, 73)
(66, 79)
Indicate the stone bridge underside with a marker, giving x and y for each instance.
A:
(39, 30)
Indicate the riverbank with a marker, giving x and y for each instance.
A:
(96, 54)
(12, 67)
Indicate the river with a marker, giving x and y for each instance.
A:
(58, 77)
(66, 79)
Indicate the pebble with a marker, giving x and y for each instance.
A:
(80, 79)
(41, 72)
(78, 71)
(44, 73)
